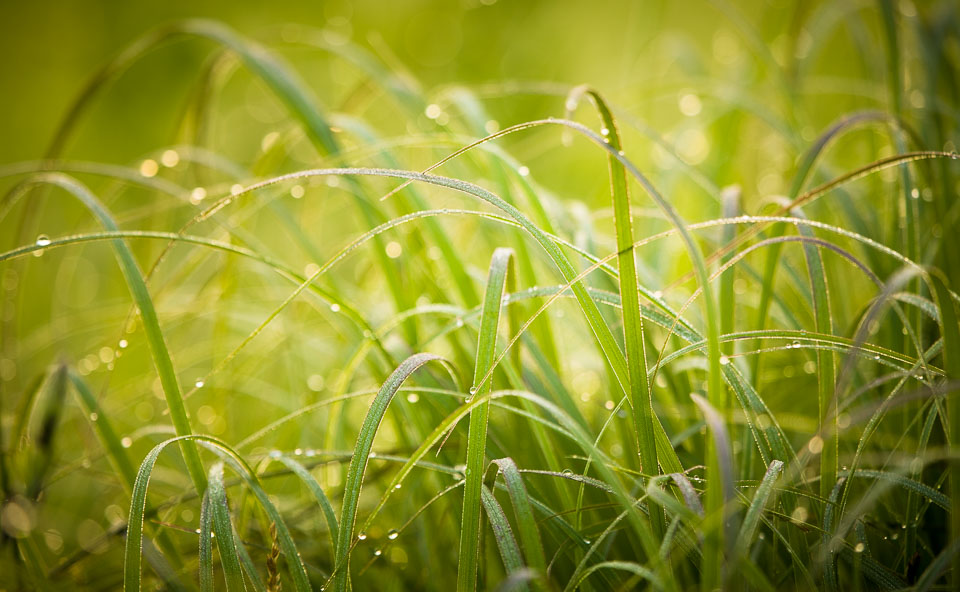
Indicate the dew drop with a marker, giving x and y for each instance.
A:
(413, 398)
(604, 132)
(398, 486)
(523, 171)
(860, 548)
(126, 442)
(393, 534)
(334, 307)
(567, 472)
(724, 360)
(43, 240)
(621, 153)
(459, 322)
(361, 536)
(473, 390)
(94, 416)
(298, 452)
(123, 344)
(198, 383)
(795, 345)
(275, 454)
(377, 553)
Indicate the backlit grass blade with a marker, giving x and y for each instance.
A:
(633, 337)
(151, 324)
(361, 455)
(826, 368)
(950, 332)
(529, 534)
(220, 512)
(752, 518)
(716, 522)
(134, 542)
(502, 533)
(311, 482)
(477, 435)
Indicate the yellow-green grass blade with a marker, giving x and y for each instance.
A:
(361, 455)
(500, 269)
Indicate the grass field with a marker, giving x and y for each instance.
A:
(512, 296)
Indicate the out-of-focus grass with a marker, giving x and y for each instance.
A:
(707, 299)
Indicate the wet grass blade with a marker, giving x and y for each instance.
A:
(151, 324)
(752, 518)
(361, 455)
(502, 533)
(529, 534)
(950, 332)
(216, 499)
(500, 265)
(134, 543)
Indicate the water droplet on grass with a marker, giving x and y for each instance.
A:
(567, 472)
(523, 171)
(361, 536)
(393, 534)
(198, 383)
(378, 553)
(94, 416)
(123, 344)
(43, 240)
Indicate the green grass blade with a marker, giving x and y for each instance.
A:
(311, 482)
(633, 337)
(477, 436)
(134, 543)
(220, 511)
(502, 533)
(752, 518)
(529, 535)
(361, 455)
(950, 332)
(151, 324)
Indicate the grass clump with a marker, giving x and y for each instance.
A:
(392, 344)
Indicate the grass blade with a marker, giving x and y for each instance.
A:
(500, 265)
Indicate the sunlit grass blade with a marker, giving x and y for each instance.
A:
(529, 534)
(134, 542)
(151, 324)
(752, 518)
(311, 482)
(950, 333)
(502, 533)
(500, 268)
(217, 508)
(361, 456)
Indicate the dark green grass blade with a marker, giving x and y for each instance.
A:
(950, 332)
